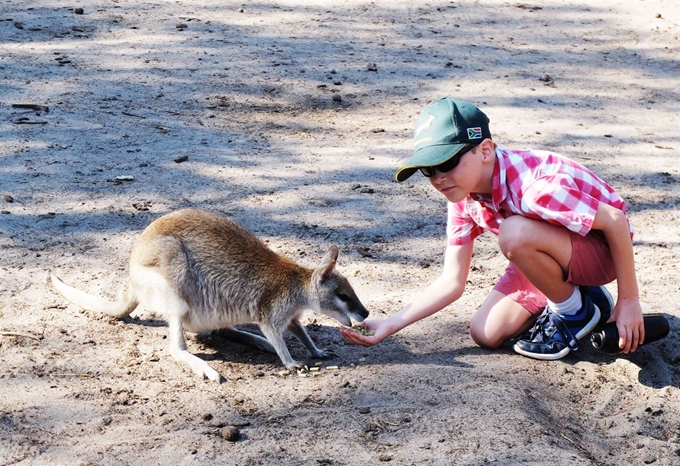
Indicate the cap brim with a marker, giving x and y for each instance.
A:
(429, 156)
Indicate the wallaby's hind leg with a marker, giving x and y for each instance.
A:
(247, 338)
(297, 329)
(275, 337)
(178, 350)
(162, 297)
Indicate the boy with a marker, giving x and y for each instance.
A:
(564, 231)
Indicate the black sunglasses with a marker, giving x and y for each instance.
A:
(448, 165)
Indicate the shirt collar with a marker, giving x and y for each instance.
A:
(499, 187)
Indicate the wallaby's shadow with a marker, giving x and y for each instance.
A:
(329, 338)
(143, 321)
(225, 348)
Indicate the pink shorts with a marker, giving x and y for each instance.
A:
(591, 264)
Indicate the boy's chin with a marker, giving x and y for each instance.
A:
(454, 196)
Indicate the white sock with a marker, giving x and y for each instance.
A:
(569, 307)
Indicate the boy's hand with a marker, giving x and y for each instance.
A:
(628, 316)
(377, 332)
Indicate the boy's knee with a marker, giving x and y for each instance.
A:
(480, 337)
(512, 235)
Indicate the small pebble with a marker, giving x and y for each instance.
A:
(79, 11)
(337, 98)
(8, 198)
(371, 427)
(230, 433)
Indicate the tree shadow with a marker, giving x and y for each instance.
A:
(150, 99)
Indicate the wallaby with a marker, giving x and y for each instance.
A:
(203, 272)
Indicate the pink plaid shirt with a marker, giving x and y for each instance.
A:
(538, 185)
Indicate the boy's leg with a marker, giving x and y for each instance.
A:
(590, 268)
(508, 312)
(499, 319)
(543, 252)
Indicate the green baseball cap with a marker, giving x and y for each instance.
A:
(444, 128)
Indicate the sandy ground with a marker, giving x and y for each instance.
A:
(291, 117)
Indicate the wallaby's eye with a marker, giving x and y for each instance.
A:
(343, 297)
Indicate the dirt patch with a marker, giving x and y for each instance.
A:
(291, 117)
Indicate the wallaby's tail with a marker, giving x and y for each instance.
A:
(94, 303)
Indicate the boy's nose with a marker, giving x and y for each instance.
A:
(438, 176)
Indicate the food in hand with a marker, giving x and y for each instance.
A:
(362, 329)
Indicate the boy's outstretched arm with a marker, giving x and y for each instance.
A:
(627, 311)
(447, 288)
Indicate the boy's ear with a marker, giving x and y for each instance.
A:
(488, 148)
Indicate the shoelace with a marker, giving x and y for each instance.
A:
(549, 320)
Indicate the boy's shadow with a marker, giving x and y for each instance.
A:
(658, 360)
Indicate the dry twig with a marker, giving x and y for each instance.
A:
(24, 335)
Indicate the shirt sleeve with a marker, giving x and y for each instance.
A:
(460, 226)
(559, 200)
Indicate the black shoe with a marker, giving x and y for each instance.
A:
(554, 335)
(601, 297)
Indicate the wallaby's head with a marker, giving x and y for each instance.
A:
(335, 296)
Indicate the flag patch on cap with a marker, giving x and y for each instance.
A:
(475, 133)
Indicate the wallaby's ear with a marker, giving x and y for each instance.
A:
(328, 263)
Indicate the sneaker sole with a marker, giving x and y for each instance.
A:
(560, 354)
(541, 356)
(609, 297)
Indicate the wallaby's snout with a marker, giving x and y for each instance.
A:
(344, 306)
(362, 312)
(347, 306)
(355, 309)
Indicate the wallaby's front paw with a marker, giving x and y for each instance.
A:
(324, 354)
